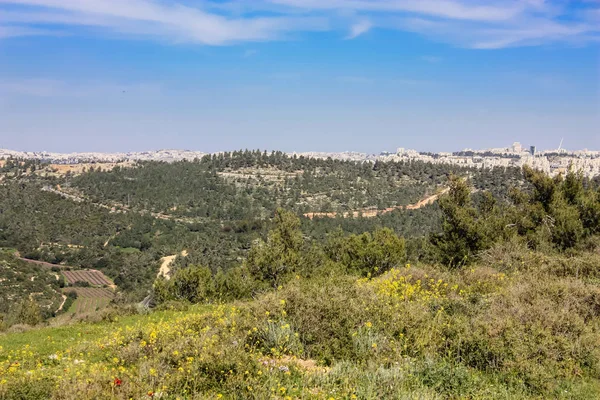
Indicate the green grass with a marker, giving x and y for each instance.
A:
(48, 340)
(8, 250)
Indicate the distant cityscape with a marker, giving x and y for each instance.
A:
(550, 161)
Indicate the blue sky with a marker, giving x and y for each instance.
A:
(298, 75)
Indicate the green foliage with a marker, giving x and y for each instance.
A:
(246, 185)
(566, 225)
(199, 285)
(368, 254)
(336, 307)
(24, 389)
(561, 209)
(25, 312)
(193, 284)
(558, 212)
(544, 186)
(275, 260)
(465, 231)
(22, 281)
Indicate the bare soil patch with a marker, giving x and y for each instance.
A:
(79, 168)
(165, 264)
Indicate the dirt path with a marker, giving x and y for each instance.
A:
(119, 207)
(63, 303)
(373, 212)
(426, 201)
(166, 263)
(44, 264)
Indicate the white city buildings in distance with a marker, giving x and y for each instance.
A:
(550, 161)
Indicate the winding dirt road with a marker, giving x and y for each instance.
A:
(373, 212)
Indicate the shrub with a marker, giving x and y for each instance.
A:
(192, 284)
(324, 312)
(24, 312)
(274, 261)
(368, 254)
(199, 285)
(465, 232)
(23, 389)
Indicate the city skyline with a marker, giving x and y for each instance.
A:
(553, 161)
(525, 148)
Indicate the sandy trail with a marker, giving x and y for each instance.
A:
(166, 263)
(116, 207)
(63, 303)
(372, 212)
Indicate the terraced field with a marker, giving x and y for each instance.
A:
(93, 277)
(90, 300)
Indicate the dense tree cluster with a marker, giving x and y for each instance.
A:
(561, 212)
(29, 293)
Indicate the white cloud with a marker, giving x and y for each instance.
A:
(150, 18)
(441, 8)
(359, 28)
(528, 32)
(9, 31)
(468, 23)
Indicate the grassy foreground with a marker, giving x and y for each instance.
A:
(522, 324)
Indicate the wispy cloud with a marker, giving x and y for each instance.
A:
(482, 25)
(530, 31)
(9, 31)
(467, 23)
(172, 21)
(359, 28)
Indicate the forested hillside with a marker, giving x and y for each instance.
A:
(123, 221)
(242, 185)
(29, 293)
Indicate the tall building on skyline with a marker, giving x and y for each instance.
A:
(517, 148)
